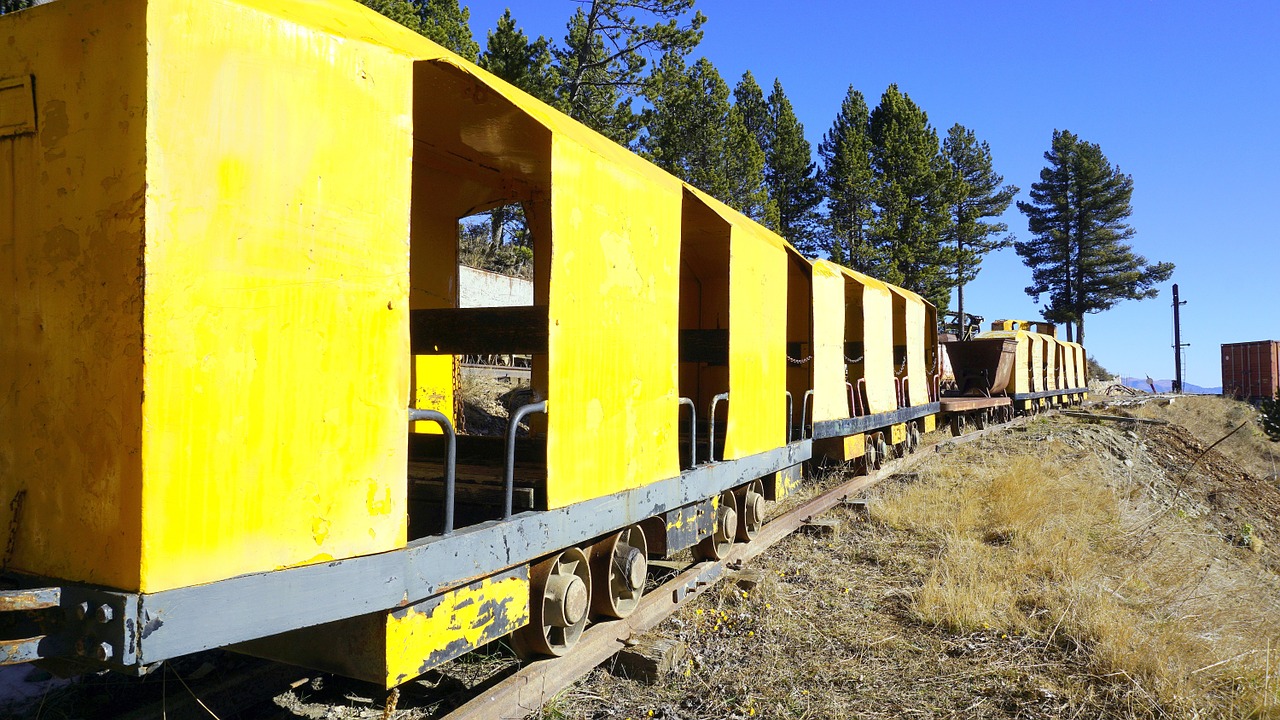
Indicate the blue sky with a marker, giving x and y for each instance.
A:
(1183, 96)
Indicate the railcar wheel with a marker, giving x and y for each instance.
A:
(957, 425)
(913, 437)
(980, 419)
(750, 499)
(870, 459)
(717, 545)
(560, 597)
(619, 569)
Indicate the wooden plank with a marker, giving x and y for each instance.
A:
(476, 331)
(960, 404)
(704, 346)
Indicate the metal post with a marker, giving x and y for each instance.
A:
(1177, 342)
(450, 458)
(510, 480)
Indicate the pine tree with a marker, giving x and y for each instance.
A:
(8, 6)
(442, 21)
(402, 11)
(601, 65)
(511, 56)
(748, 97)
(974, 194)
(790, 174)
(692, 132)
(846, 178)
(449, 26)
(909, 185)
(1078, 255)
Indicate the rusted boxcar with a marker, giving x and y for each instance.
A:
(1251, 370)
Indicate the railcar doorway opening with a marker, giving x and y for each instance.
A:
(481, 193)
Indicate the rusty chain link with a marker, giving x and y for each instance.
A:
(15, 510)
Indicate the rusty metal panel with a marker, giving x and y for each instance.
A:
(1251, 370)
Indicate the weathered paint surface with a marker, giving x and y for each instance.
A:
(757, 343)
(71, 334)
(830, 394)
(612, 375)
(869, 327)
(426, 635)
(897, 433)
(909, 320)
(276, 273)
(930, 423)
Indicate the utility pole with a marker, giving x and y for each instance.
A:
(1177, 342)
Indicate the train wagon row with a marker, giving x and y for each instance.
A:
(232, 356)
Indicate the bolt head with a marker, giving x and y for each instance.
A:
(103, 652)
(104, 614)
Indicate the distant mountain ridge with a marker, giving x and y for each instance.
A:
(1165, 386)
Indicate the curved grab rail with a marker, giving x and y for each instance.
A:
(711, 441)
(450, 459)
(693, 430)
(509, 481)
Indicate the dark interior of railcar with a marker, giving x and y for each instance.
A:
(704, 325)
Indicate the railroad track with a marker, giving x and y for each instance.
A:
(529, 688)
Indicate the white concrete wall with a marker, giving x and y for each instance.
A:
(478, 288)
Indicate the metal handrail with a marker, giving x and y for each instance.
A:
(450, 458)
(510, 470)
(864, 402)
(711, 441)
(791, 414)
(804, 413)
(693, 430)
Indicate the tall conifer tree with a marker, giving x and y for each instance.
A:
(847, 180)
(694, 133)
(974, 194)
(449, 25)
(1078, 255)
(910, 180)
(790, 174)
(601, 65)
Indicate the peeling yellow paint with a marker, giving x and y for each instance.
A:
(417, 640)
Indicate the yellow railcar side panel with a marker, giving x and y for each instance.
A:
(1035, 356)
(71, 233)
(1051, 381)
(757, 344)
(433, 389)
(909, 328)
(830, 394)
(612, 404)
(418, 640)
(875, 332)
(276, 358)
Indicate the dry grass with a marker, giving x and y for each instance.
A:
(1210, 417)
(1066, 553)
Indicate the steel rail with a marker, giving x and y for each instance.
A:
(528, 689)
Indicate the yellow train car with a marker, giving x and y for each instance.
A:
(232, 292)
(1047, 371)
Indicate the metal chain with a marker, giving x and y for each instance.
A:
(854, 360)
(15, 511)
(794, 361)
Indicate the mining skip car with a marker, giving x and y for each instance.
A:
(232, 349)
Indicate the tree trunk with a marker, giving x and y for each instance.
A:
(1080, 330)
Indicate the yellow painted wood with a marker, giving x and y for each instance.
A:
(612, 380)
(71, 237)
(930, 423)
(830, 393)
(897, 433)
(1051, 367)
(869, 321)
(1035, 351)
(757, 270)
(909, 333)
(276, 308)
(471, 616)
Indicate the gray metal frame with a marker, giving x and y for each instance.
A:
(163, 625)
(854, 425)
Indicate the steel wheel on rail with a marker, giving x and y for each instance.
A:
(717, 545)
(619, 569)
(750, 499)
(957, 424)
(560, 596)
(913, 437)
(980, 419)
